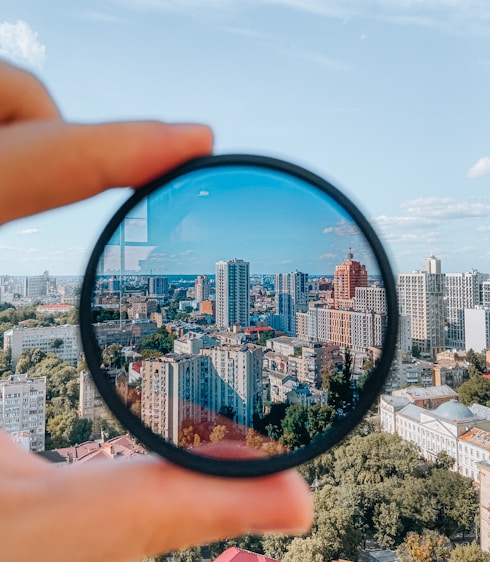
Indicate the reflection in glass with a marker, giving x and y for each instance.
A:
(239, 304)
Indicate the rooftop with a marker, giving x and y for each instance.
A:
(235, 554)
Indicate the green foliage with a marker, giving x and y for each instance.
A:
(469, 553)
(111, 356)
(313, 548)
(340, 393)
(276, 545)
(264, 336)
(457, 501)
(161, 342)
(66, 429)
(475, 391)
(477, 360)
(28, 359)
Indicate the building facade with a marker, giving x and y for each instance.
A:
(63, 341)
(23, 410)
(421, 297)
(291, 294)
(232, 293)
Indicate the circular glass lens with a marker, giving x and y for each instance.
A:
(239, 315)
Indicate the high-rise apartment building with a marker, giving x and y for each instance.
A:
(348, 275)
(179, 390)
(291, 291)
(171, 393)
(421, 297)
(462, 290)
(235, 377)
(23, 410)
(157, 286)
(232, 293)
(201, 288)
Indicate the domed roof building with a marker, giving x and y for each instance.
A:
(461, 432)
(454, 411)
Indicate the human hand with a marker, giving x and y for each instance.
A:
(111, 511)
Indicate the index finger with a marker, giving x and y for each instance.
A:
(46, 164)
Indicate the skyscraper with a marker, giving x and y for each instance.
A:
(347, 276)
(232, 293)
(291, 297)
(201, 288)
(421, 296)
(462, 291)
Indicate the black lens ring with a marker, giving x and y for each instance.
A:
(249, 467)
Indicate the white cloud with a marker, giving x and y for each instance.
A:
(28, 231)
(328, 256)
(480, 169)
(342, 228)
(444, 208)
(19, 43)
(203, 193)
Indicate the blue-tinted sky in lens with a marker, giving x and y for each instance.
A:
(388, 97)
(273, 220)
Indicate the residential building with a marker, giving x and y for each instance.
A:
(348, 275)
(477, 329)
(63, 341)
(291, 294)
(91, 404)
(232, 293)
(23, 410)
(202, 288)
(421, 297)
(157, 286)
(171, 393)
(462, 291)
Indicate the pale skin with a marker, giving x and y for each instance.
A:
(111, 511)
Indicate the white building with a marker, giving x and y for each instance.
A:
(421, 296)
(291, 294)
(235, 376)
(23, 410)
(232, 293)
(477, 329)
(462, 290)
(192, 342)
(462, 432)
(63, 341)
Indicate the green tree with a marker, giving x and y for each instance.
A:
(475, 391)
(340, 392)
(162, 341)
(387, 524)
(28, 359)
(275, 545)
(469, 553)
(308, 549)
(295, 427)
(319, 420)
(188, 555)
(478, 360)
(457, 501)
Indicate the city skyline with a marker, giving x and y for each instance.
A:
(387, 99)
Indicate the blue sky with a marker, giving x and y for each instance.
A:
(386, 98)
(272, 220)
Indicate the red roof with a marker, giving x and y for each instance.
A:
(235, 554)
